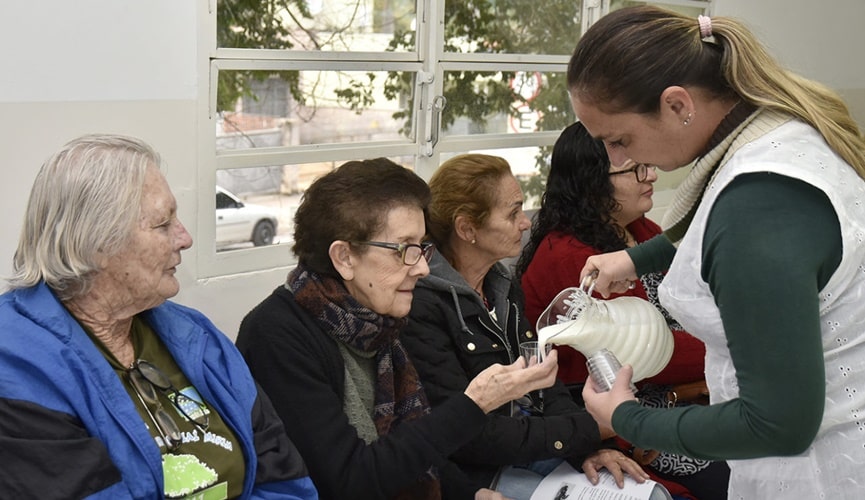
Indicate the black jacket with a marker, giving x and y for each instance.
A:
(300, 367)
(451, 338)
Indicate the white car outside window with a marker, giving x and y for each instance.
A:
(239, 222)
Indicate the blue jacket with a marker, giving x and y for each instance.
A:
(68, 428)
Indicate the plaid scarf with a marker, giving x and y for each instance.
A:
(399, 395)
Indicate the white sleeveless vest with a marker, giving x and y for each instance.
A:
(834, 466)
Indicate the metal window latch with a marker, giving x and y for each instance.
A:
(436, 107)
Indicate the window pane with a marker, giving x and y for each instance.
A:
(255, 206)
(682, 9)
(505, 102)
(319, 25)
(512, 26)
(292, 108)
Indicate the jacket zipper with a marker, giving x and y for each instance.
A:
(500, 337)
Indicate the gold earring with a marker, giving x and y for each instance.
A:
(474, 241)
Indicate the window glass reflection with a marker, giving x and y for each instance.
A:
(501, 102)
(513, 26)
(255, 206)
(292, 108)
(315, 25)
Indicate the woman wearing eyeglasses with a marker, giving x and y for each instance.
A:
(468, 315)
(327, 346)
(107, 389)
(591, 207)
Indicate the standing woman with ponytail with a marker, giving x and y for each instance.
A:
(763, 241)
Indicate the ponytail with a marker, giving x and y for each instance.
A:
(627, 59)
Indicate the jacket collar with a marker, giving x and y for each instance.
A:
(443, 277)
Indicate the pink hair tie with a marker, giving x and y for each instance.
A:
(705, 26)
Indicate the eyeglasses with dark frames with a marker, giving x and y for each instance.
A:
(409, 252)
(640, 170)
(146, 379)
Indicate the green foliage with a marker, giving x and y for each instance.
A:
(500, 26)
(255, 24)
(477, 26)
(358, 95)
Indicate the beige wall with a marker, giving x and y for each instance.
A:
(135, 67)
(819, 40)
(855, 98)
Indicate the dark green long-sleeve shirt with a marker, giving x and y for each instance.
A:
(771, 243)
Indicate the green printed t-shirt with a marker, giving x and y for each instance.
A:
(208, 464)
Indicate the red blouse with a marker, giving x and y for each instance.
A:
(556, 265)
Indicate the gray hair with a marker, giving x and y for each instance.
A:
(83, 206)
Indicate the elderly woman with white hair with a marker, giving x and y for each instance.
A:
(107, 389)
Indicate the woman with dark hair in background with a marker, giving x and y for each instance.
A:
(591, 207)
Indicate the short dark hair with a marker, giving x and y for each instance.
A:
(350, 204)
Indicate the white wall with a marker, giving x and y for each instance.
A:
(69, 68)
(820, 40)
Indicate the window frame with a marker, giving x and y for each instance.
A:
(429, 61)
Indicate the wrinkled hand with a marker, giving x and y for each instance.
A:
(601, 405)
(499, 384)
(487, 494)
(614, 272)
(615, 462)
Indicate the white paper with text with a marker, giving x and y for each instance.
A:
(565, 483)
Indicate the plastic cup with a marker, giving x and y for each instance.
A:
(603, 367)
(529, 352)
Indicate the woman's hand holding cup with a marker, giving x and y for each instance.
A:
(500, 384)
(529, 352)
